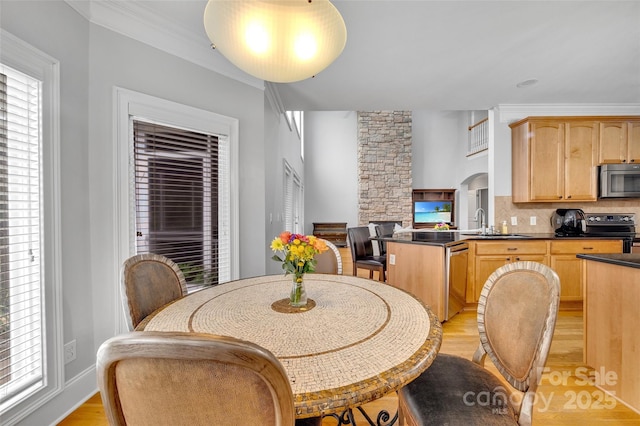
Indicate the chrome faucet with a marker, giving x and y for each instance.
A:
(483, 219)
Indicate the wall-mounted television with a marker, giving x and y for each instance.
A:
(432, 212)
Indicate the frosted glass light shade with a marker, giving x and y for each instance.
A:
(279, 41)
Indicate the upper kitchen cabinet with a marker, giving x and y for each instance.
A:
(619, 142)
(554, 159)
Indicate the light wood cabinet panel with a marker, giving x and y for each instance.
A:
(619, 142)
(511, 247)
(419, 269)
(554, 160)
(568, 268)
(633, 142)
(580, 171)
(490, 255)
(585, 246)
(486, 265)
(546, 170)
(560, 255)
(611, 324)
(563, 260)
(613, 143)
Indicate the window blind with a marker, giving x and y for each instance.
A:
(21, 313)
(180, 181)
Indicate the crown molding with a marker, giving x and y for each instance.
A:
(138, 21)
(273, 96)
(514, 112)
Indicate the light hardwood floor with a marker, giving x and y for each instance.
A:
(564, 396)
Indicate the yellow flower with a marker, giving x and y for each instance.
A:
(277, 245)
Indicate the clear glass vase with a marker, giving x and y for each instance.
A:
(298, 296)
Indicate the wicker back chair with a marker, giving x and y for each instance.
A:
(148, 282)
(330, 261)
(179, 378)
(517, 313)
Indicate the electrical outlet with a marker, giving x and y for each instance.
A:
(69, 351)
(532, 220)
(514, 220)
(392, 259)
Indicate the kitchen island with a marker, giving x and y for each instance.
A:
(612, 323)
(418, 262)
(432, 266)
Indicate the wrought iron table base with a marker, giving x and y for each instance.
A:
(383, 418)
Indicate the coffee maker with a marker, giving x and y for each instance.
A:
(569, 222)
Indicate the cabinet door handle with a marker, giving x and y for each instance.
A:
(624, 161)
(559, 196)
(512, 248)
(587, 248)
(517, 258)
(631, 161)
(568, 196)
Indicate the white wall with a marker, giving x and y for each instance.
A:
(57, 30)
(281, 142)
(331, 168)
(440, 150)
(136, 66)
(331, 172)
(92, 61)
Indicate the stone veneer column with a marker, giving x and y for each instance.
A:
(384, 166)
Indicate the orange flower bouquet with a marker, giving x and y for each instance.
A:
(298, 258)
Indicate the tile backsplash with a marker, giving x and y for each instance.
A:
(505, 209)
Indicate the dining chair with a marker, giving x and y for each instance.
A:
(362, 253)
(385, 229)
(181, 378)
(149, 281)
(329, 261)
(517, 313)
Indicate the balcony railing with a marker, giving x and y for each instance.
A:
(478, 137)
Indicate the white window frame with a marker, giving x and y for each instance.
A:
(128, 103)
(25, 58)
(293, 194)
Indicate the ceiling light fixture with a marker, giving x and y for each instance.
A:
(279, 41)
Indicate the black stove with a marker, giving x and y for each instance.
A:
(609, 225)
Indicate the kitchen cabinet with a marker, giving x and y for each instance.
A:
(554, 160)
(487, 256)
(490, 255)
(619, 142)
(563, 260)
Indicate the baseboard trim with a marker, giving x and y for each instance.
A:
(76, 392)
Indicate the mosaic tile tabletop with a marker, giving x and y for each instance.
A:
(362, 340)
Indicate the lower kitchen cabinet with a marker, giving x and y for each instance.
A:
(563, 260)
(490, 255)
(487, 256)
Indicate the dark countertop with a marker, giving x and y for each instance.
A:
(631, 260)
(449, 238)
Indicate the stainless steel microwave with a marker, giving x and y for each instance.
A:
(620, 181)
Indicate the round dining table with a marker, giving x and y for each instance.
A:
(355, 341)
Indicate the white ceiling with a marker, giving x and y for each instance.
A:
(437, 55)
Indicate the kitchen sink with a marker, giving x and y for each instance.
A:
(497, 236)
